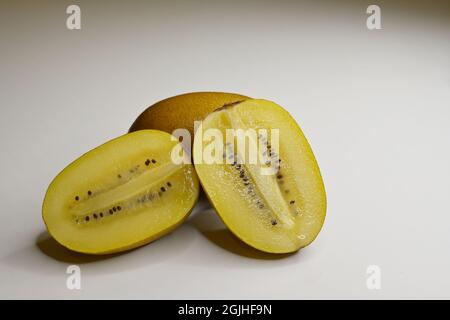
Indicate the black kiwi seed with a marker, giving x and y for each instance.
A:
(101, 214)
(279, 176)
(119, 208)
(114, 209)
(292, 202)
(147, 162)
(163, 189)
(153, 161)
(274, 222)
(77, 198)
(86, 218)
(89, 192)
(95, 216)
(119, 176)
(111, 211)
(169, 184)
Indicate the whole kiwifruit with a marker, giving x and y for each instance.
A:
(182, 110)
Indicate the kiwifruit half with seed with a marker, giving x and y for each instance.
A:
(123, 194)
(275, 203)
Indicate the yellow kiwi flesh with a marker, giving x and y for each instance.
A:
(123, 194)
(182, 110)
(277, 213)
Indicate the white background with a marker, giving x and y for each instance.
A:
(374, 105)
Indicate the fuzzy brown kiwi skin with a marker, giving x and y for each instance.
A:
(182, 110)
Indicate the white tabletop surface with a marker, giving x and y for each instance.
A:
(375, 105)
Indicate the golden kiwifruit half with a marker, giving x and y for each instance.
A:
(181, 111)
(277, 203)
(121, 195)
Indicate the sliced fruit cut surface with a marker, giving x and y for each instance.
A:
(278, 211)
(123, 194)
